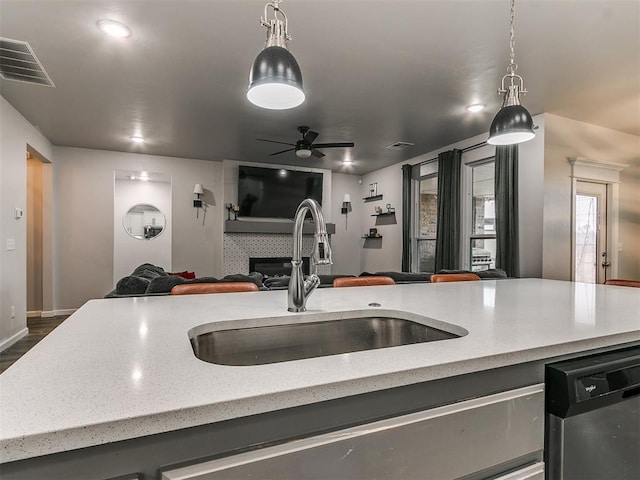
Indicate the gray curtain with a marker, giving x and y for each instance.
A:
(448, 231)
(406, 218)
(506, 189)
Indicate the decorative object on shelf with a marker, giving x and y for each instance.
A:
(381, 213)
(373, 232)
(198, 191)
(235, 209)
(373, 189)
(229, 207)
(275, 80)
(346, 206)
(513, 123)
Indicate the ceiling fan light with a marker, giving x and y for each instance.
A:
(512, 124)
(303, 153)
(275, 80)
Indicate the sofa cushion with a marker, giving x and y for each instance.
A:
(276, 283)
(164, 284)
(492, 273)
(187, 275)
(147, 270)
(253, 277)
(406, 277)
(132, 284)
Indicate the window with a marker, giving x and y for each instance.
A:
(482, 241)
(426, 221)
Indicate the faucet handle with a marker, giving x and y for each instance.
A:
(311, 282)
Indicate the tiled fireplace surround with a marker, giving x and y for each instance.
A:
(239, 247)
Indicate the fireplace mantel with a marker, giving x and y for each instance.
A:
(248, 226)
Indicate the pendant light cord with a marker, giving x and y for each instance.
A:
(513, 66)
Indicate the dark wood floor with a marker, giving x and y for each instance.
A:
(38, 329)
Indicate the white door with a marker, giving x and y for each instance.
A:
(590, 233)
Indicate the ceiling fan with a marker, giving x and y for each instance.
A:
(305, 147)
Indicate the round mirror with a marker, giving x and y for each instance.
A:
(144, 222)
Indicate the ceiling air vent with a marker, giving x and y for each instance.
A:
(18, 62)
(400, 145)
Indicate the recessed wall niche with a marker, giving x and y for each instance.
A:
(131, 189)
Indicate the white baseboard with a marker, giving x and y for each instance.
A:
(55, 313)
(34, 314)
(13, 339)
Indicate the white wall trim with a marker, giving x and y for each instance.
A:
(13, 339)
(588, 162)
(55, 313)
(34, 313)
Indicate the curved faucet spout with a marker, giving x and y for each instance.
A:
(299, 287)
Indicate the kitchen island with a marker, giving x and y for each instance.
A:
(124, 369)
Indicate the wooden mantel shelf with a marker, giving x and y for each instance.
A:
(248, 226)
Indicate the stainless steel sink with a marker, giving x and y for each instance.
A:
(280, 343)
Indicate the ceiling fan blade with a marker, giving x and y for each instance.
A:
(283, 151)
(310, 136)
(274, 141)
(334, 145)
(317, 153)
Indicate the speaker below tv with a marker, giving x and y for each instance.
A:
(275, 192)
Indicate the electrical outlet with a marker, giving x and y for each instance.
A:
(13, 311)
(11, 244)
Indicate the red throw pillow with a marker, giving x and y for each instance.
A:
(186, 275)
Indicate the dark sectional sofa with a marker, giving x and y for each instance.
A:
(148, 279)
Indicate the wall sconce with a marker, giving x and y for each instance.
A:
(198, 191)
(346, 206)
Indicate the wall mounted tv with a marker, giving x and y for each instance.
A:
(275, 192)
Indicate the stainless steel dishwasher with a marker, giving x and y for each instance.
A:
(593, 417)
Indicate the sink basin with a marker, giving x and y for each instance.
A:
(294, 341)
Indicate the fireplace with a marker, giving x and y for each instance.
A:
(275, 266)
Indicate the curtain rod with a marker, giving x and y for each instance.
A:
(467, 149)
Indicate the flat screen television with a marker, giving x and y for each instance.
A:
(275, 192)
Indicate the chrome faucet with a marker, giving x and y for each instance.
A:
(299, 287)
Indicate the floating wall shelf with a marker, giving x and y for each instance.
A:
(383, 214)
(372, 199)
(371, 237)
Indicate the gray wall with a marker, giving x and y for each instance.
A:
(16, 133)
(345, 244)
(569, 138)
(83, 199)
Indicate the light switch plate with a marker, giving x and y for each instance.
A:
(11, 244)
(18, 213)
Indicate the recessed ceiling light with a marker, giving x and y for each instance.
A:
(476, 107)
(115, 29)
(137, 139)
(347, 161)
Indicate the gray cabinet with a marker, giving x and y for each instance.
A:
(460, 439)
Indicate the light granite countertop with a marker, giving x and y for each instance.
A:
(124, 368)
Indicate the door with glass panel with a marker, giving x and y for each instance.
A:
(590, 233)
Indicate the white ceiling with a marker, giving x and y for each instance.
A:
(375, 72)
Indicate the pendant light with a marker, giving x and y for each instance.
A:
(513, 123)
(275, 81)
